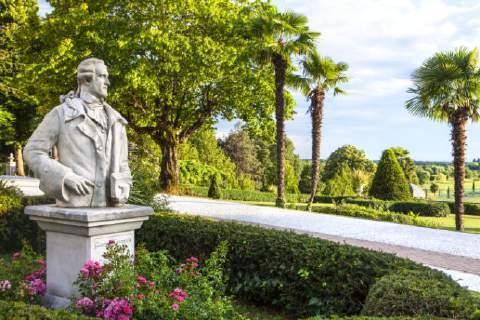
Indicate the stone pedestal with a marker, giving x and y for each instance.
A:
(75, 235)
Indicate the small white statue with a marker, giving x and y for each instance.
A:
(92, 170)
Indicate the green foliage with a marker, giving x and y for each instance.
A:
(341, 184)
(414, 293)
(351, 210)
(330, 199)
(422, 208)
(241, 195)
(407, 164)
(11, 310)
(302, 275)
(152, 284)
(389, 182)
(15, 270)
(305, 183)
(16, 227)
(193, 172)
(214, 191)
(434, 188)
(350, 157)
(373, 318)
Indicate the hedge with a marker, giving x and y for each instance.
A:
(352, 210)
(373, 318)
(16, 227)
(11, 310)
(241, 195)
(469, 207)
(330, 199)
(422, 208)
(304, 276)
(415, 293)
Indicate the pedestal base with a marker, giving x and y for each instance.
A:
(76, 235)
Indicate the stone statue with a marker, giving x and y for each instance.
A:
(92, 170)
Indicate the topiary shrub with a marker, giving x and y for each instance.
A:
(389, 182)
(369, 203)
(214, 190)
(341, 184)
(415, 293)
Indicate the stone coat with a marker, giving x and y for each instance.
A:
(85, 148)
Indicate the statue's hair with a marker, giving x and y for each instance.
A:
(86, 70)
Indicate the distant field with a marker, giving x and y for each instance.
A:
(442, 194)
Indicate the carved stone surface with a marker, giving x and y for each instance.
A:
(92, 169)
(76, 235)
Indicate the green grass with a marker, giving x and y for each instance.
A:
(471, 223)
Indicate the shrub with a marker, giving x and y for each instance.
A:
(411, 293)
(422, 208)
(241, 195)
(389, 182)
(341, 184)
(373, 318)
(369, 203)
(16, 227)
(153, 288)
(471, 208)
(351, 210)
(302, 275)
(10, 310)
(330, 199)
(214, 189)
(426, 209)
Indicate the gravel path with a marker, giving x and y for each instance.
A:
(455, 253)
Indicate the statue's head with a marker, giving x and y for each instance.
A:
(92, 77)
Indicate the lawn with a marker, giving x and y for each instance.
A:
(471, 223)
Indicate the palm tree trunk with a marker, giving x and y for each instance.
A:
(459, 137)
(316, 113)
(280, 67)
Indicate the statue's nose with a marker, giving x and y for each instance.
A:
(107, 82)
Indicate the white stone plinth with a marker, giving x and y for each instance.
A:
(75, 235)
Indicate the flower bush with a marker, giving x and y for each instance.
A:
(154, 287)
(22, 276)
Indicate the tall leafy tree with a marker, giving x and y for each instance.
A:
(321, 74)
(17, 107)
(175, 66)
(447, 88)
(282, 35)
(407, 163)
(349, 155)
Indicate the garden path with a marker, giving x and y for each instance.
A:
(457, 254)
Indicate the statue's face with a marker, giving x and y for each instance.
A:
(99, 84)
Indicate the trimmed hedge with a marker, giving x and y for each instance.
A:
(11, 310)
(304, 276)
(241, 195)
(330, 199)
(352, 210)
(422, 208)
(470, 208)
(16, 227)
(414, 293)
(374, 318)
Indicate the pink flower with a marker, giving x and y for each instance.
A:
(91, 269)
(118, 309)
(192, 260)
(5, 285)
(141, 280)
(41, 262)
(37, 287)
(16, 255)
(85, 304)
(175, 307)
(140, 296)
(111, 242)
(178, 294)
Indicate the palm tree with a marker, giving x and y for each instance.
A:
(447, 88)
(320, 74)
(282, 35)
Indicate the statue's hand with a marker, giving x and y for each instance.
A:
(78, 184)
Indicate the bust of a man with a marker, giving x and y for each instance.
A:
(92, 168)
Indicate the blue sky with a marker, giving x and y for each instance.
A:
(383, 41)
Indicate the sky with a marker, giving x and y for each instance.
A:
(383, 42)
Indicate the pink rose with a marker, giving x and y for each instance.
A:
(175, 307)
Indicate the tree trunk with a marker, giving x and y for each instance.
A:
(169, 170)
(316, 113)
(459, 137)
(280, 66)
(19, 160)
